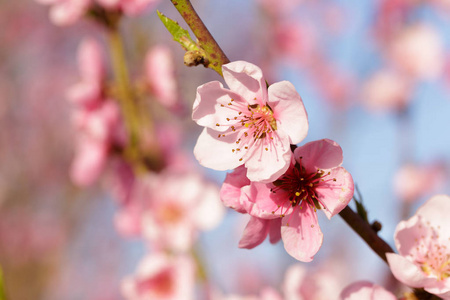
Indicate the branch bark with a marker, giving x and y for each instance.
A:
(365, 231)
(214, 54)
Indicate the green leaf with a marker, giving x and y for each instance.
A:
(179, 34)
(2, 287)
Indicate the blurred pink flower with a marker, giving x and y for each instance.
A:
(97, 130)
(66, 12)
(315, 180)
(367, 291)
(248, 124)
(386, 90)
(267, 293)
(418, 51)
(279, 7)
(160, 75)
(323, 282)
(414, 181)
(423, 243)
(295, 42)
(129, 7)
(163, 277)
(180, 206)
(89, 90)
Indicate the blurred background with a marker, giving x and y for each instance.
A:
(374, 77)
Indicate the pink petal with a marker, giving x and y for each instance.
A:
(335, 195)
(268, 166)
(275, 230)
(89, 163)
(109, 4)
(207, 110)
(407, 272)
(323, 154)
(267, 204)
(160, 75)
(128, 221)
(247, 80)
(84, 93)
(230, 193)
(135, 7)
(435, 211)
(440, 288)
(254, 233)
(90, 61)
(68, 12)
(216, 153)
(289, 111)
(301, 233)
(367, 291)
(408, 233)
(209, 211)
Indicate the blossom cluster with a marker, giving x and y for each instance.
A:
(253, 128)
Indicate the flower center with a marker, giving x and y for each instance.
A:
(254, 125)
(301, 185)
(161, 284)
(432, 256)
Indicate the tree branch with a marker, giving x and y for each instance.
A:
(215, 57)
(365, 231)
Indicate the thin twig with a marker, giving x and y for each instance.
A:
(214, 54)
(365, 231)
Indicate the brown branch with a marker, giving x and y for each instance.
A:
(365, 231)
(214, 54)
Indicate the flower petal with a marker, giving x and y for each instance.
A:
(301, 234)
(247, 80)
(407, 272)
(435, 211)
(254, 233)
(209, 211)
(211, 106)
(322, 154)
(367, 291)
(269, 160)
(335, 195)
(216, 153)
(275, 230)
(230, 192)
(289, 111)
(267, 204)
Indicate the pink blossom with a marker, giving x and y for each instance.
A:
(280, 7)
(128, 7)
(257, 228)
(248, 124)
(386, 90)
(163, 277)
(90, 63)
(315, 180)
(267, 293)
(418, 51)
(414, 181)
(181, 205)
(160, 75)
(323, 282)
(367, 291)
(423, 243)
(66, 12)
(98, 129)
